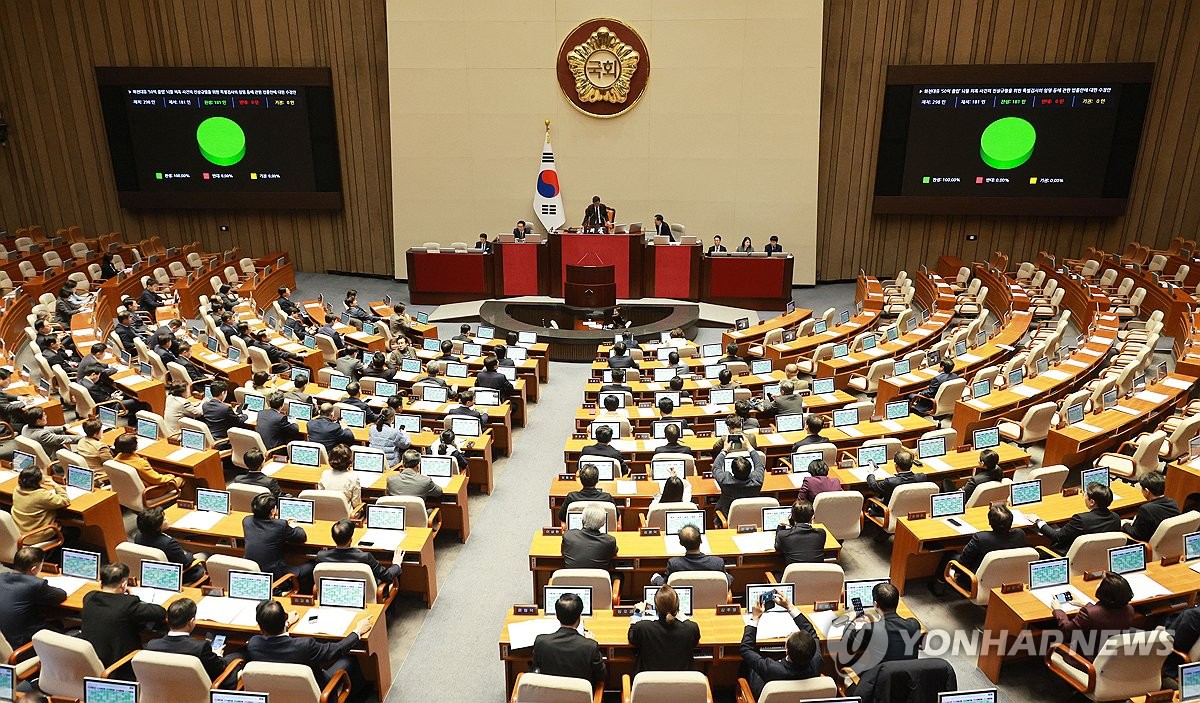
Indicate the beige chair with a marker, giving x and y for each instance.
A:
(40, 458)
(11, 540)
(947, 395)
(219, 566)
(1033, 427)
(815, 582)
(132, 554)
(65, 662)
(878, 371)
(1143, 459)
(610, 510)
(241, 495)
(543, 688)
(709, 588)
(908, 498)
(823, 352)
(132, 493)
(840, 512)
(1052, 477)
(25, 665)
(179, 678)
(1128, 665)
(747, 511)
(666, 687)
(998, 567)
(818, 687)
(1090, 552)
(329, 505)
(294, 683)
(605, 594)
(949, 433)
(1167, 540)
(989, 491)
(1131, 308)
(416, 513)
(1182, 430)
(375, 592)
(242, 441)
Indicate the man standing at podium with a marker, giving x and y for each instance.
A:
(662, 229)
(595, 218)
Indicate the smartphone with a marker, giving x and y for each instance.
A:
(767, 600)
(1065, 596)
(858, 606)
(218, 642)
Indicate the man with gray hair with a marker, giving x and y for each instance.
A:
(786, 403)
(324, 430)
(590, 547)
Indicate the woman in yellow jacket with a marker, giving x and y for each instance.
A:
(35, 504)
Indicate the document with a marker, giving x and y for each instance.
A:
(823, 623)
(829, 397)
(522, 634)
(962, 527)
(1078, 600)
(627, 488)
(968, 358)
(1025, 391)
(977, 404)
(1151, 397)
(156, 596)
(271, 468)
(383, 539)
(1090, 429)
(1057, 375)
(1076, 363)
(70, 584)
(182, 454)
(756, 542)
(227, 611)
(1127, 410)
(327, 621)
(1145, 587)
(861, 472)
(936, 463)
(774, 439)
(75, 493)
(891, 426)
(199, 520)
(851, 431)
(774, 624)
(1178, 383)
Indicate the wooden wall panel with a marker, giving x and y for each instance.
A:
(56, 169)
(862, 37)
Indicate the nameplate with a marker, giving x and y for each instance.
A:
(729, 609)
(1164, 696)
(962, 448)
(779, 470)
(822, 606)
(303, 600)
(918, 515)
(704, 434)
(552, 531)
(1171, 561)
(637, 477)
(566, 477)
(744, 373)
(645, 405)
(1015, 587)
(622, 611)
(186, 504)
(214, 591)
(1072, 491)
(650, 532)
(589, 406)
(746, 529)
(766, 430)
(578, 435)
(595, 380)
(706, 474)
(525, 609)
(641, 435)
(846, 464)
(1093, 575)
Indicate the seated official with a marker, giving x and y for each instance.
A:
(988, 470)
(674, 490)
(385, 436)
(602, 447)
(787, 402)
(522, 230)
(448, 354)
(343, 534)
(618, 382)
(447, 445)
(1158, 507)
(113, 619)
(716, 245)
(501, 352)
(56, 354)
(802, 659)
(379, 368)
(409, 481)
(275, 645)
(662, 229)
(102, 390)
(64, 309)
(797, 540)
(125, 448)
(254, 459)
(676, 385)
(218, 415)
(725, 381)
(326, 431)
(739, 477)
(693, 559)
(489, 377)
(818, 481)
(903, 462)
(401, 349)
(328, 330)
(355, 311)
(466, 408)
(284, 299)
(621, 358)
(1110, 614)
(813, 424)
(1098, 518)
(35, 504)
(746, 247)
(266, 537)
(150, 533)
(181, 621)
(1001, 536)
(612, 409)
(280, 358)
(433, 373)
(588, 476)
(51, 437)
(671, 434)
(566, 652)
(341, 477)
(483, 245)
(664, 642)
(12, 410)
(297, 393)
(666, 406)
(731, 354)
(353, 392)
(589, 548)
(464, 330)
(93, 449)
(903, 635)
(774, 247)
(274, 427)
(97, 350)
(23, 596)
(179, 406)
(922, 402)
(680, 368)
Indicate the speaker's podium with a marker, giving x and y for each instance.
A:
(590, 286)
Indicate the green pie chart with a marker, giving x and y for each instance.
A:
(1007, 143)
(221, 141)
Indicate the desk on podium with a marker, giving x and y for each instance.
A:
(621, 251)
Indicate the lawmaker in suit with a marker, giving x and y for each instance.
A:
(489, 377)
(621, 358)
(266, 537)
(181, 619)
(818, 481)
(150, 524)
(1098, 518)
(671, 434)
(23, 595)
(353, 390)
(716, 245)
(179, 406)
(1001, 536)
(903, 461)
(740, 477)
(275, 645)
(113, 619)
(903, 634)
(343, 534)
(1109, 614)
(218, 415)
(798, 541)
(1157, 507)
(813, 424)
(662, 229)
(326, 431)
(409, 481)
(665, 642)
(589, 548)
(275, 429)
(522, 230)
(466, 408)
(566, 652)
(693, 559)
(253, 459)
(774, 247)
(803, 658)
(788, 401)
(595, 217)
(604, 435)
(922, 402)
(588, 476)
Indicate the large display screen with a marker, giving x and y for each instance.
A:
(1021, 139)
(221, 137)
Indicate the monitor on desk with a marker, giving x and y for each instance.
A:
(1091, 476)
(1109, 398)
(606, 466)
(1075, 414)
(368, 328)
(896, 410)
(551, 594)
(947, 504)
(822, 386)
(802, 460)
(422, 317)
(7, 682)
(845, 317)
(437, 466)
(902, 367)
(720, 396)
(1026, 492)
(385, 389)
(211, 343)
(516, 354)
(147, 429)
(309, 341)
(674, 396)
(763, 593)
(434, 394)
(713, 370)
(471, 349)
(741, 323)
(846, 417)
(1043, 365)
(1191, 546)
(249, 585)
(385, 517)
(465, 426)
(80, 564)
(683, 592)
(485, 332)
(981, 388)
(509, 372)
(791, 422)
(893, 333)
(663, 469)
(820, 327)
(410, 365)
(298, 373)
(299, 509)
(162, 575)
(338, 382)
(676, 520)
(237, 697)
(96, 690)
(254, 402)
(210, 500)
(770, 390)
(932, 358)
(614, 426)
(145, 369)
(869, 342)
(1049, 573)
(354, 417)
(760, 366)
(1016, 377)
(235, 354)
(710, 350)
(80, 478)
(619, 395)
(487, 397)
(840, 350)
(863, 590)
(1189, 682)
(370, 461)
(575, 522)
(1129, 559)
(342, 593)
(431, 344)
(960, 348)
(773, 517)
(985, 438)
(107, 416)
(298, 410)
(456, 370)
(931, 448)
(192, 439)
(873, 455)
(664, 375)
(304, 454)
(408, 423)
(22, 459)
(526, 338)
(658, 428)
(982, 695)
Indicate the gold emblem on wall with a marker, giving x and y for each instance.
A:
(603, 67)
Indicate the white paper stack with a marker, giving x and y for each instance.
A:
(774, 624)
(383, 539)
(70, 584)
(522, 634)
(201, 520)
(755, 542)
(328, 621)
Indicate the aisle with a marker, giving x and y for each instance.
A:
(455, 656)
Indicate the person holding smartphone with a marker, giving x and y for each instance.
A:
(803, 659)
(181, 619)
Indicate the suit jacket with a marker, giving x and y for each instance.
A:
(983, 543)
(1089, 523)
(664, 230)
(813, 486)
(887, 486)
(565, 652)
(354, 555)
(408, 482)
(664, 645)
(809, 439)
(695, 562)
(733, 488)
(276, 429)
(333, 334)
(98, 391)
(126, 334)
(588, 549)
(470, 412)
(762, 670)
(496, 380)
(1094, 618)
(718, 247)
(220, 418)
(51, 437)
(606, 450)
(1149, 515)
(285, 649)
(624, 361)
(287, 305)
(773, 248)
(88, 362)
(936, 382)
(58, 358)
(585, 494)
(596, 215)
(674, 448)
(175, 552)
(784, 405)
(325, 431)
(484, 246)
(258, 478)
(800, 544)
(22, 597)
(371, 413)
(265, 542)
(902, 637)
(616, 387)
(192, 646)
(113, 623)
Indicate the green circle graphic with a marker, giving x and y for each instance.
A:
(1007, 143)
(221, 141)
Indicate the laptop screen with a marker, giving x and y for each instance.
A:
(1189, 682)
(1075, 414)
(249, 585)
(299, 411)
(438, 466)
(342, 593)
(713, 370)
(947, 504)
(672, 396)
(485, 332)
(983, 695)
(385, 517)
(802, 460)
(896, 410)
(235, 354)
(893, 333)
(683, 592)
(1026, 492)
(298, 509)
(1049, 573)
(840, 350)
(79, 477)
(663, 469)
(774, 517)
(527, 338)
(1089, 477)
(709, 350)
(385, 389)
(659, 427)
(551, 594)
(465, 426)
(1127, 560)
(1110, 397)
(1016, 378)
(408, 423)
(371, 462)
(676, 520)
(454, 370)
(1191, 546)
(237, 697)
(861, 589)
(869, 342)
(1043, 364)
(423, 317)
(354, 418)
(875, 454)
(192, 439)
(434, 394)
(147, 429)
(960, 348)
(487, 397)
(109, 691)
(902, 367)
(607, 466)
(845, 417)
(304, 455)
(759, 366)
(516, 354)
(108, 417)
(931, 447)
(7, 679)
(81, 564)
(212, 344)
(255, 402)
(410, 366)
(720, 396)
(338, 382)
(614, 426)
(212, 501)
(845, 316)
(791, 422)
(820, 326)
(986, 438)
(822, 386)
(164, 576)
(763, 592)
(575, 522)
(664, 375)
(981, 388)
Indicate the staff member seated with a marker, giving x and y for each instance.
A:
(903, 634)
(266, 537)
(786, 403)
(409, 481)
(813, 423)
(566, 652)
(903, 461)
(218, 415)
(1157, 507)
(922, 402)
(274, 644)
(181, 619)
(798, 541)
(588, 476)
(988, 470)
(664, 643)
(693, 559)
(1098, 518)
(671, 434)
(589, 548)
(489, 377)
(621, 358)
(343, 534)
(803, 658)
(253, 459)
(353, 390)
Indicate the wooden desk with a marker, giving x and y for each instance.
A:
(98, 512)
(858, 363)
(238, 373)
(420, 567)
(698, 388)
(754, 334)
(1183, 482)
(199, 469)
(869, 292)
(703, 417)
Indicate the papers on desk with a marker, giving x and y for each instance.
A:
(1176, 383)
(627, 488)
(271, 468)
(654, 386)
(334, 396)
(829, 397)
(756, 542)
(624, 445)
(1195, 566)
(766, 378)
(861, 472)
(1090, 429)
(76, 430)
(704, 383)
(181, 454)
(1025, 391)
(1076, 363)
(522, 634)
(959, 525)
(936, 463)
(70, 584)
(922, 332)
(1078, 600)
(877, 351)
(1145, 587)
(823, 623)
(1127, 410)
(851, 431)
(327, 621)
(673, 547)
(1057, 375)
(383, 539)
(425, 406)
(7, 475)
(143, 442)
(440, 481)
(156, 596)
(977, 404)
(1151, 397)
(294, 348)
(227, 611)
(133, 379)
(774, 624)
(75, 493)
(891, 426)
(200, 520)
(1093, 352)
(774, 439)
(797, 478)
(968, 358)
(647, 412)
(224, 363)
(716, 410)
(1019, 519)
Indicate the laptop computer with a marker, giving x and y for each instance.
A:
(438, 468)
(676, 520)
(304, 455)
(720, 396)
(902, 367)
(385, 389)
(342, 593)
(7, 682)
(299, 411)
(192, 439)
(846, 417)
(684, 594)
(370, 462)
(619, 395)
(410, 366)
(664, 375)
(354, 418)
(1049, 573)
(299, 509)
(96, 690)
(981, 388)
(408, 423)
(663, 469)
(985, 438)
(792, 422)
(802, 460)
(465, 426)
(210, 500)
(487, 397)
(551, 594)
(1129, 559)
(237, 697)
(1091, 476)
(822, 386)
(773, 517)
(80, 481)
(575, 522)
(982, 695)
(434, 394)
(1189, 682)
(1026, 492)
(606, 466)
(873, 455)
(658, 428)
(158, 581)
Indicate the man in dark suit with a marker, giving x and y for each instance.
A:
(151, 300)
(693, 559)
(218, 415)
(1098, 518)
(23, 594)
(181, 619)
(101, 389)
(343, 534)
(1157, 507)
(716, 245)
(466, 408)
(813, 424)
(483, 244)
(566, 652)
(57, 355)
(662, 229)
(125, 331)
(1001, 536)
(285, 301)
(353, 390)
(266, 538)
(326, 431)
(803, 660)
(799, 542)
(489, 377)
(922, 402)
(328, 330)
(113, 619)
(588, 476)
(464, 334)
(275, 645)
(150, 524)
(596, 214)
(253, 459)
(96, 351)
(618, 382)
(448, 354)
(903, 634)
(501, 352)
(673, 446)
(273, 426)
(741, 408)
(604, 435)
(621, 358)
(740, 477)
(589, 548)
(522, 230)
(298, 325)
(788, 402)
(903, 461)
(774, 247)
